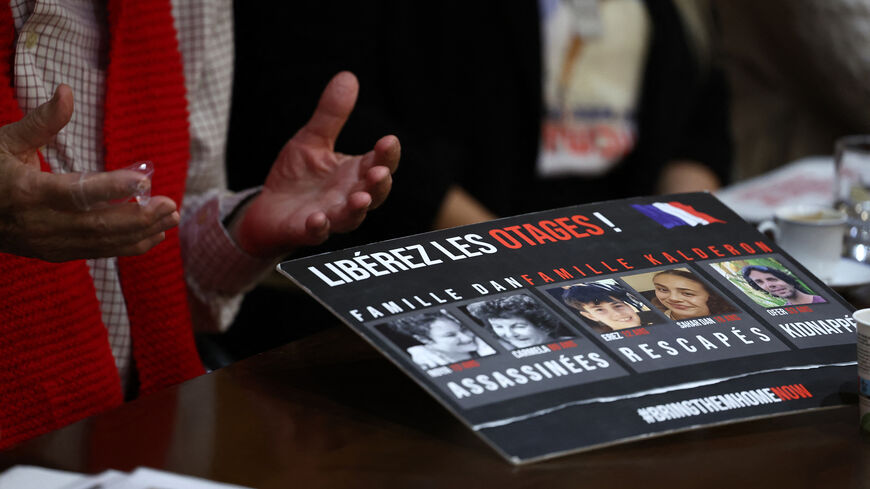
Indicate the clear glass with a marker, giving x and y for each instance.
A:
(852, 192)
(143, 192)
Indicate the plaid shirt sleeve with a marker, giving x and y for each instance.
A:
(217, 271)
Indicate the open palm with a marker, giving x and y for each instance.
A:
(312, 191)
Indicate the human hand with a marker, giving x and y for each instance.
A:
(681, 176)
(60, 217)
(312, 191)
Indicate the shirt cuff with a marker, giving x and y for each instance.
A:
(217, 270)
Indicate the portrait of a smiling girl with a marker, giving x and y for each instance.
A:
(680, 294)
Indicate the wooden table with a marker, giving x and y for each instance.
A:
(329, 411)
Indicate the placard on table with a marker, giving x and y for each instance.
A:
(579, 327)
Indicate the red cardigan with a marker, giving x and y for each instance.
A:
(56, 365)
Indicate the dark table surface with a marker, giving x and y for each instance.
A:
(329, 411)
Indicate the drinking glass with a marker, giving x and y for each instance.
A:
(852, 193)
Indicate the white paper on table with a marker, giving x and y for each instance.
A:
(99, 481)
(805, 181)
(28, 477)
(145, 478)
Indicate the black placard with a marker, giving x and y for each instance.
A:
(574, 328)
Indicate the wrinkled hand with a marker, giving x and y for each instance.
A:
(311, 190)
(59, 217)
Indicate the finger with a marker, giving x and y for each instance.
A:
(385, 153)
(141, 247)
(333, 109)
(380, 182)
(38, 127)
(128, 222)
(84, 191)
(128, 243)
(350, 214)
(144, 225)
(316, 228)
(51, 242)
(359, 201)
(83, 251)
(388, 151)
(106, 227)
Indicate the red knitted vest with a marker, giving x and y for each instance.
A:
(55, 362)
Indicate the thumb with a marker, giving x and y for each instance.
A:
(38, 127)
(333, 109)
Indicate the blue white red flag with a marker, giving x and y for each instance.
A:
(672, 214)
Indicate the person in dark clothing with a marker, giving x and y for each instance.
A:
(460, 84)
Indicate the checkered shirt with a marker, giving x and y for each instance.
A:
(66, 41)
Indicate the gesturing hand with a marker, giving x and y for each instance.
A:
(311, 190)
(59, 217)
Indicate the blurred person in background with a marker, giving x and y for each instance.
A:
(503, 107)
(567, 102)
(799, 74)
(474, 91)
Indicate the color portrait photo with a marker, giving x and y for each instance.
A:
(605, 306)
(767, 282)
(678, 293)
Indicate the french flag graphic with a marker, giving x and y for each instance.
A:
(672, 214)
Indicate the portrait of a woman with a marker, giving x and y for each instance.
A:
(442, 339)
(519, 321)
(683, 295)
